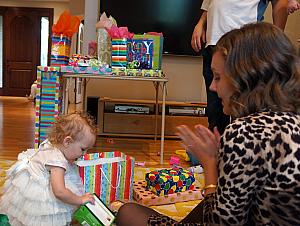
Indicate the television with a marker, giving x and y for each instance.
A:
(176, 19)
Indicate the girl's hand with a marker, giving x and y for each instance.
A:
(87, 197)
(202, 143)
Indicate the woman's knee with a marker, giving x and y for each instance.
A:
(134, 214)
(125, 213)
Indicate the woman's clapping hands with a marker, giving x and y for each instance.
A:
(202, 143)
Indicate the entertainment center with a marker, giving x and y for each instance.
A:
(142, 124)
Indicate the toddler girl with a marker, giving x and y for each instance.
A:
(44, 187)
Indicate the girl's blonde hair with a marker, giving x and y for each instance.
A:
(73, 125)
(263, 67)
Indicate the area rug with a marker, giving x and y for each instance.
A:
(176, 211)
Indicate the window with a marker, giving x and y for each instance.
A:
(44, 40)
(80, 39)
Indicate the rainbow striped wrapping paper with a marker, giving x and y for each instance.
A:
(48, 103)
(119, 52)
(108, 174)
(60, 49)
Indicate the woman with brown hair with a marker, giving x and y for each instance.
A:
(252, 173)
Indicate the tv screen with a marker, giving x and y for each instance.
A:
(174, 18)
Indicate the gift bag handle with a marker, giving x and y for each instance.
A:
(119, 178)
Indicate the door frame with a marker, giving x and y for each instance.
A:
(42, 12)
(2, 10)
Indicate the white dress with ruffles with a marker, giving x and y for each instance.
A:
(27, 194)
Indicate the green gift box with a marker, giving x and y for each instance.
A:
(97, 214)
(4, 220)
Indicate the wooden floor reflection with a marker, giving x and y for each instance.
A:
(17, 118)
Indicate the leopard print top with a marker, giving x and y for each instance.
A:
(259, 173)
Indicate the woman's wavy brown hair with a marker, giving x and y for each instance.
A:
(263, 67)
(73, 125)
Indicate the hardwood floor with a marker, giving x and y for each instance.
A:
(17, 117)
(17, 126)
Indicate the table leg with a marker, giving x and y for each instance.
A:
(163, 114)
(84, 107)
(156, 85)
(66, 95)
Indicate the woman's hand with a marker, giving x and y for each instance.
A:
(202, 143)
(87, 197)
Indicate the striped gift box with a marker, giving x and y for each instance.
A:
(48, 101)
(108, 174)
(119, 52)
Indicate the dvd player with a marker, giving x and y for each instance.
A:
(200, 111)
(133, 109)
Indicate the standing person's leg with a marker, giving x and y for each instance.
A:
(214, 109)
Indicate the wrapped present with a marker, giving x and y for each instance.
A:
(103, 46)
(145, 51)
(94, 214)
(62, 33)
(169, 181)
(119, 52)
(107, 174)
(137, 72)
(140, 53)
(99, 70)
(144, 72)
(119, 71)
(145, 197)
(60, 49)
(4, 221)
(49, 101)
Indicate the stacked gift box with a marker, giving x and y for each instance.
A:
(136, 72)
(48, 100)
